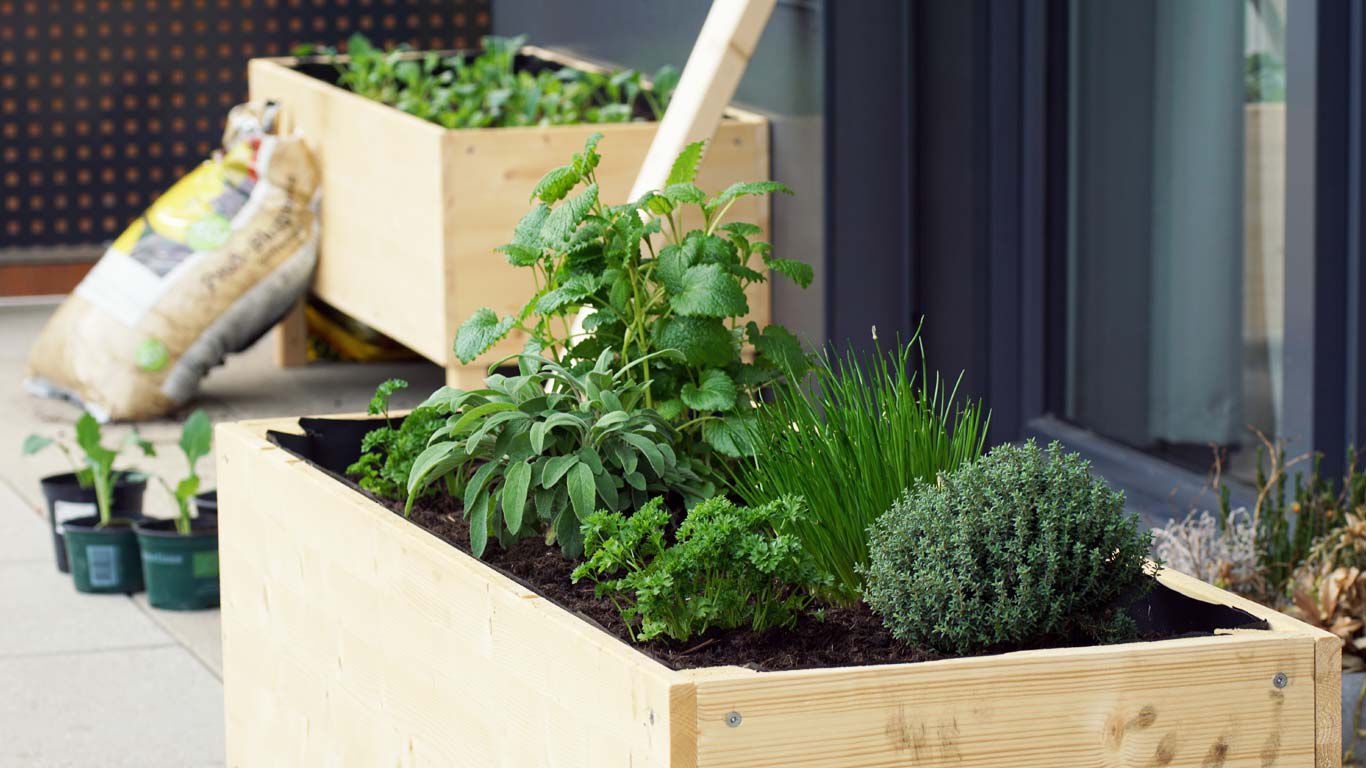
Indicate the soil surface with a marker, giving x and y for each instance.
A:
(844, 637)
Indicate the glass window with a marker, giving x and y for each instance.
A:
(1176, 202)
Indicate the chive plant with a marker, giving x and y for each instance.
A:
(851, 443)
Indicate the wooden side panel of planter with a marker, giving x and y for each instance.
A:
(351, 637)
(1197, 702)
(382, 235)
(412, 212)
(490, 174)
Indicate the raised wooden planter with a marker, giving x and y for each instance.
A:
(412, 211)
(352, 637)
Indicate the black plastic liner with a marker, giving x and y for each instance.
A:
(334, 444)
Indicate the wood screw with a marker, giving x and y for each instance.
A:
(1280, 680)
(733, 719)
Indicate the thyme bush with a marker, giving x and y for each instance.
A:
(1018, 549)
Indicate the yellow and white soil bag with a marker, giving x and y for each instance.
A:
(205, 271)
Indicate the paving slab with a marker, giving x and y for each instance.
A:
(143, 708)
(107, 680)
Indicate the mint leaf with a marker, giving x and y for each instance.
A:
(684, 170)
(796, 271)
(708, 291)
(684, 193)
(745, 189)
(556, 184)
(704, 341)
(716, 392)
(743, 229)
(479, 333)
(520, 255)
(731, 436)
(779, 348)
(673, 264)
(559, 226)
(528, 231)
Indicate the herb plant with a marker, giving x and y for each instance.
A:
(487, 91)
(539, 452)
(728, 567)
(688, 296)
(1020, 548)
(388, 453)
(99, 460)
(851, 443)
(196, 440)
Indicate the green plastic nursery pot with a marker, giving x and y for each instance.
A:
(66, 500)
(181, 571)
(103, 559)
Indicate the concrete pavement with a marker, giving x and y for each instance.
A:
(89, 680)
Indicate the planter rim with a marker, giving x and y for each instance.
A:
(124, 478)
(512, 646)
(91, 524)
(165, 529)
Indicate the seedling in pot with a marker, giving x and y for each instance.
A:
(196, 440)
(99, 460)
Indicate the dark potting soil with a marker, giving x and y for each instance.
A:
(845, 637)
(840, 637)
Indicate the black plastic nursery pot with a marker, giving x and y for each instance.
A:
(67, 500)
(206, 505)
(181, 571)
(104, 559)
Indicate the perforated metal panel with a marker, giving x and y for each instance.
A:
(105, 103)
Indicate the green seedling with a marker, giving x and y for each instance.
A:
(98, 460)
(196, 440)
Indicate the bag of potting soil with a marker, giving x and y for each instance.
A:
(205, 271)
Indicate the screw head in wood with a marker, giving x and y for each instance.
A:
(733, 719)
(1281, 680)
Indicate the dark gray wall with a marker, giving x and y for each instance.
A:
(783, 81)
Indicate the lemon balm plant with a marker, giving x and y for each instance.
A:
(651, 285)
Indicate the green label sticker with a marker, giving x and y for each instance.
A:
(151, 355)
(205, 565)
(208, 233)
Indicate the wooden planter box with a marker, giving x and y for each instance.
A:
(412, 211)
(352, 637)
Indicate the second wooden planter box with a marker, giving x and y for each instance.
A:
(412, 211)
(352, 637)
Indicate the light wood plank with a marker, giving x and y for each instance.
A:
(708, 82)
(291, 338)
(412, 212)
(353, 637)
(1198, 702)
(380, 253)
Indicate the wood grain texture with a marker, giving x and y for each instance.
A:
(708, 82)
(492, 171)
(1328, 701)
(412, 211)
(352, 637)
(1197, 702)
(290, 338)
